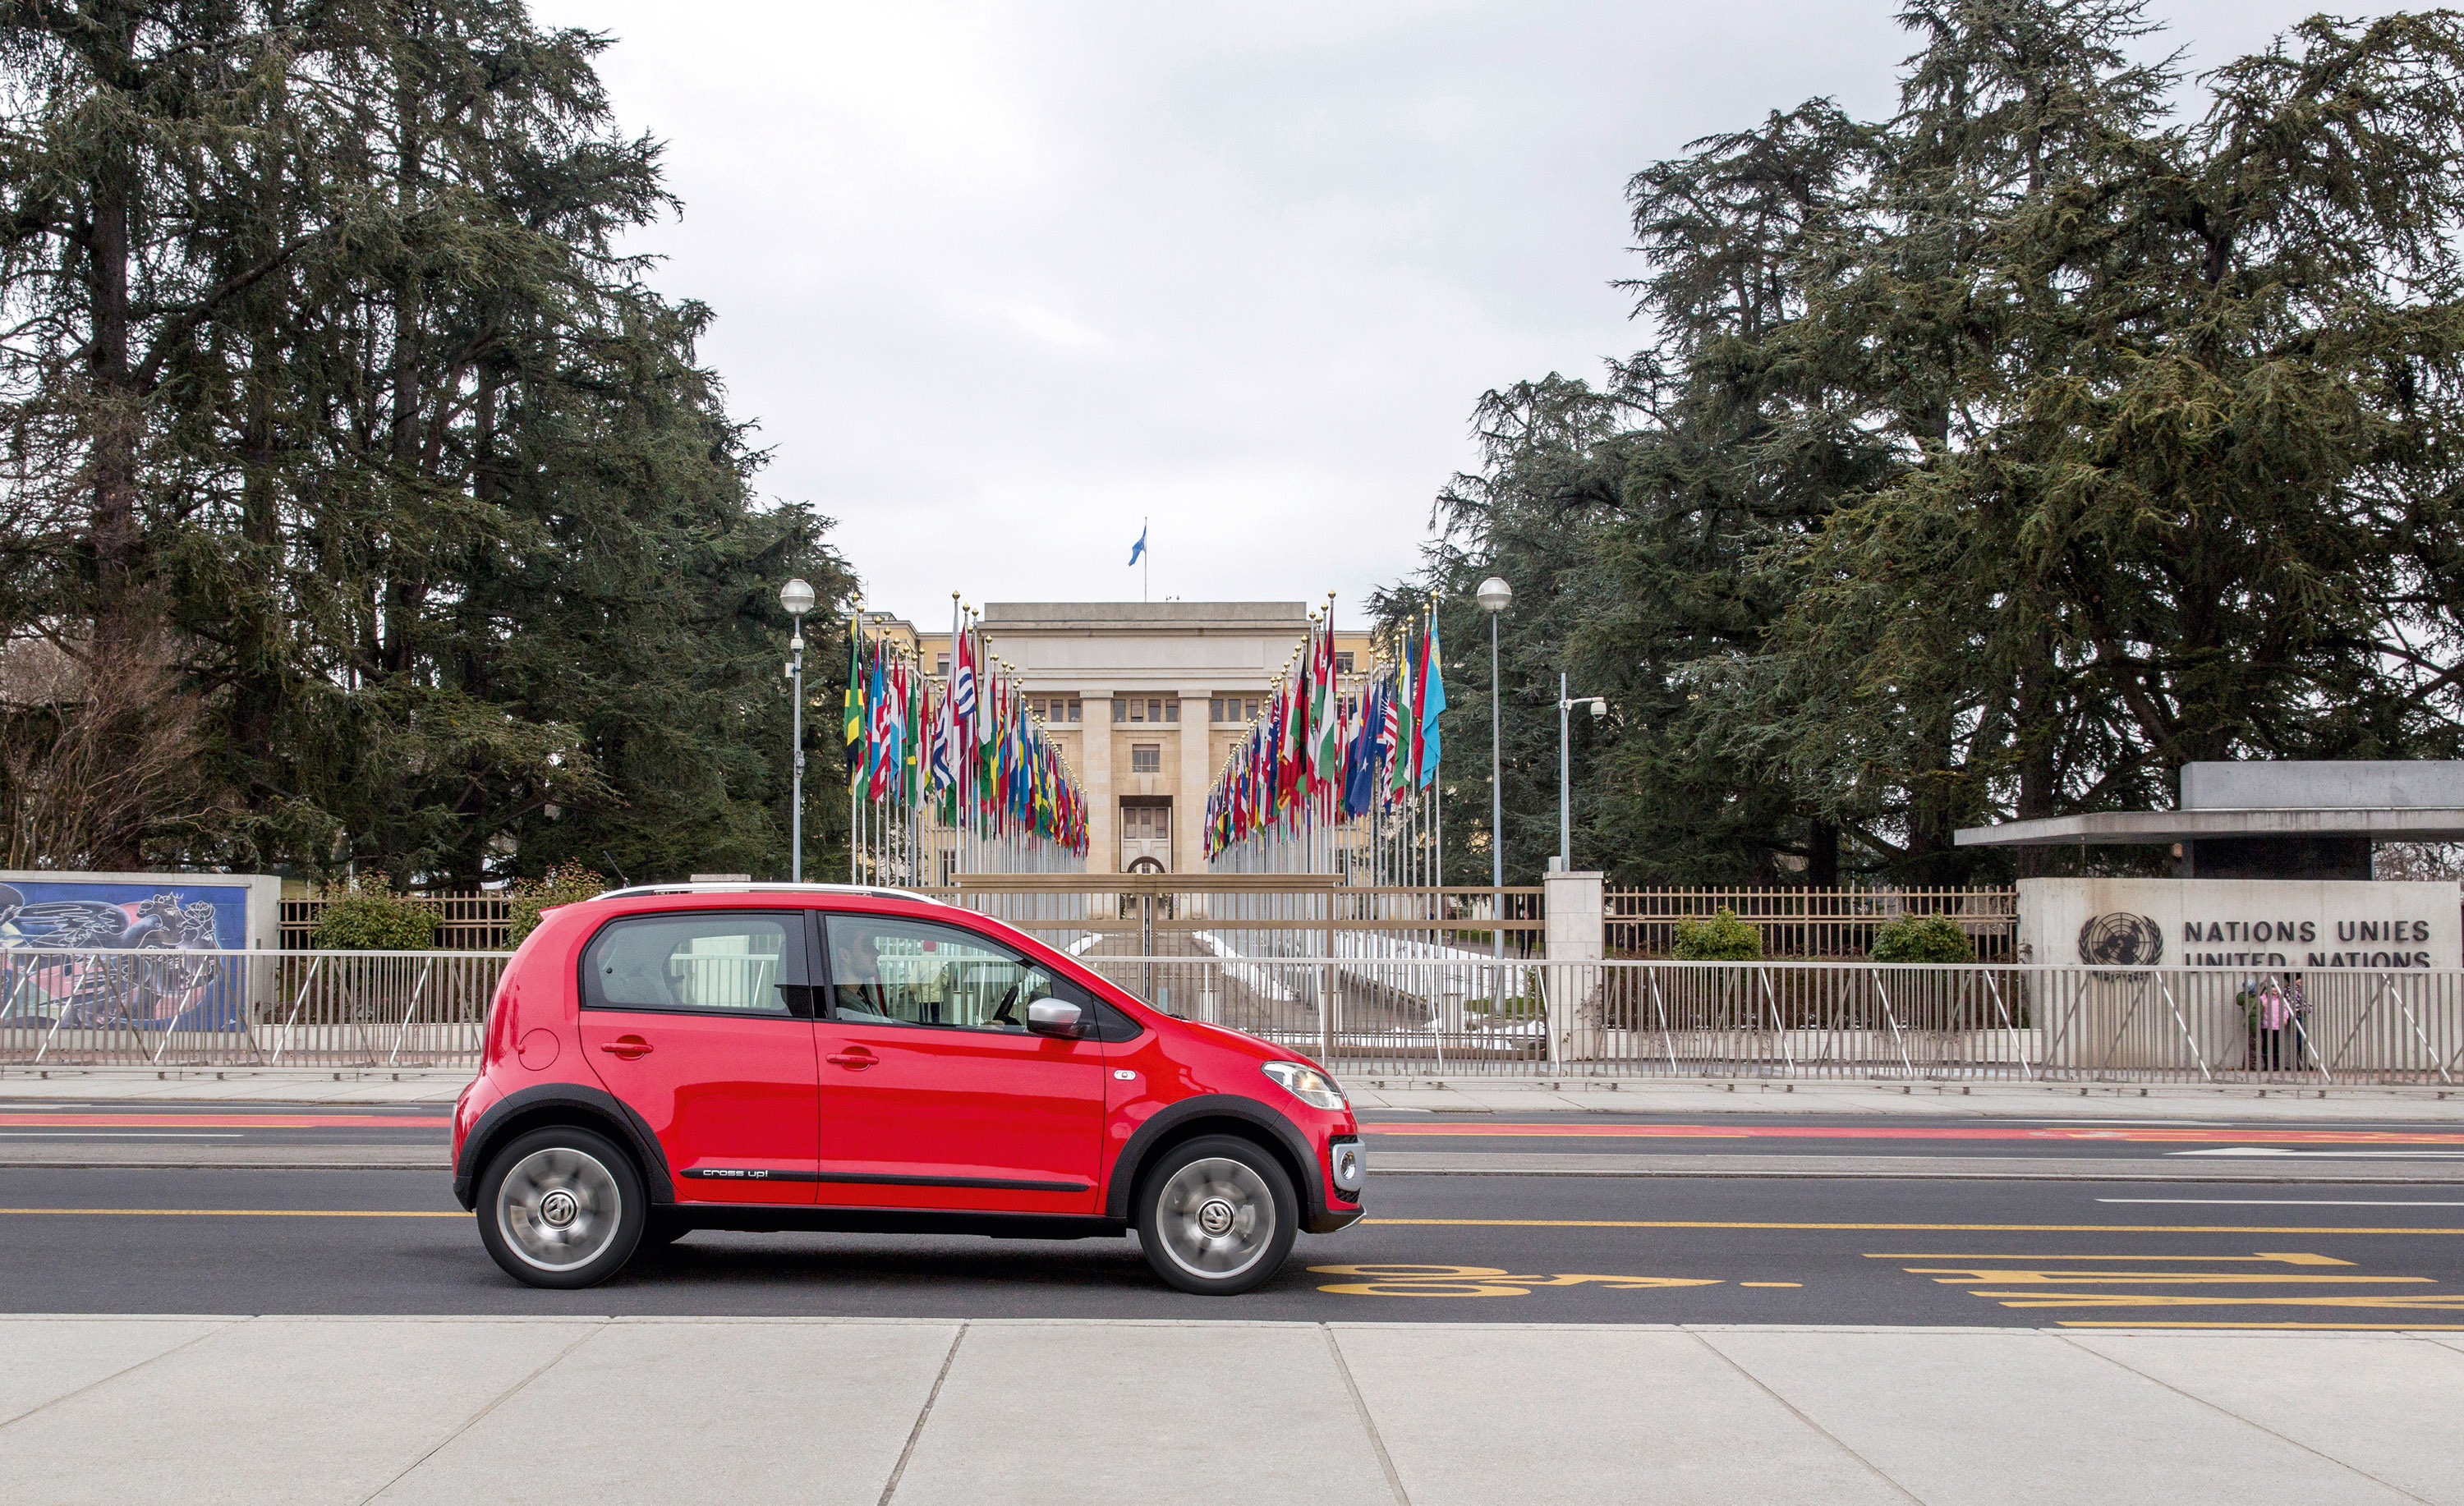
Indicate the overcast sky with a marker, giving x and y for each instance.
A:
(999, 282)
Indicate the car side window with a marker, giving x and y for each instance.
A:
(699, 963)
(890, 972)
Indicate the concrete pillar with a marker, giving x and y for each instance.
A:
(1103, 805)
(1576, 932)
(1193, 781)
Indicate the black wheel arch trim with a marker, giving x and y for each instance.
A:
(1130, 1164)
(595, 1103)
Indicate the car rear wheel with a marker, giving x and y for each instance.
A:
(562, 1206)
(1217, 1215)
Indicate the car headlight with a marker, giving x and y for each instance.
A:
(1309, 1084)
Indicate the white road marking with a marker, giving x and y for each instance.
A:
(2330, 1155)
(2274, 1202)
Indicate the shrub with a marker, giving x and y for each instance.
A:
(374, 918)
(1923, 938)
(1723, 938)
(566, 884)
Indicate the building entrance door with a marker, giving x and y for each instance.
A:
(1146, 838)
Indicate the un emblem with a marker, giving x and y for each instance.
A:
(2121, 940)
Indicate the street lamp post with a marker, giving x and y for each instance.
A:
(1565, 770)
(1494, 596)
(798, 598)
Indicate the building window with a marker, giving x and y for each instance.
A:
(1075, 707)
(1138, 710)
(1120, 710)
(1146, 758)
(1172, 710)
(1146, 822)
(1342, 663)
(941, 665)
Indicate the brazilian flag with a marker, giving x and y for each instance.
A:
(854, 703)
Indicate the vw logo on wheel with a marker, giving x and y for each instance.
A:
(2122, 940)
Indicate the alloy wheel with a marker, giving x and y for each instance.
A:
(559, 1207)
(1215, 1216)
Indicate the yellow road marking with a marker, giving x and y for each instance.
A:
(2427, 1301)
(1476, 1280)
(1970, 1229)
(2124, 1323)
(1970, 1275)
(2283, 1258)
(241, 1213)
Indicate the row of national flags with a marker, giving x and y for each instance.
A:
(969, 753)
(1315, 755)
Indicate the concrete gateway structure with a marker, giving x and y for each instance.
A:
(2274, 872)
(1144, 699)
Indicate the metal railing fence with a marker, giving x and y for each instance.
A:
(1801, 1021)
(467, 920)
(1810, 923)
(137, 1007)
(1370, 1007)
(1253, 914)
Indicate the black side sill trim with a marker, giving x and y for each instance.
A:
(993, 1182)
(996, 1183)
(892, 1220)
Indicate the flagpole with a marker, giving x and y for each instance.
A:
(1145, 561)
(957, 762)
(855, 660)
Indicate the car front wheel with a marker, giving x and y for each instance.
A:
(1217, 1216)
(562, 1206)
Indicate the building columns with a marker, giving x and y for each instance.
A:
(1197, 777)
(1103, 803)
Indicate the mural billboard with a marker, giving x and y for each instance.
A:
(82, 952)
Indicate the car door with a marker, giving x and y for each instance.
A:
(933, 1094)
(701, 1021)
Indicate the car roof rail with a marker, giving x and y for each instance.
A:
(873, 890)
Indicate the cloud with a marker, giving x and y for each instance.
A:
(1000, 280)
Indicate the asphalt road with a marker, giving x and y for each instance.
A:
(73, 1134)
(1488, 1249)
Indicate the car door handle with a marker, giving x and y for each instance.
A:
(630, 1048)
(853, 1060)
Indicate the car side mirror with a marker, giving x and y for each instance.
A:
(1054, 1017)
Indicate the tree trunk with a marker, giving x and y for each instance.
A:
(121, 635)
(1822, 856)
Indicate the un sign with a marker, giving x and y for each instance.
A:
(2122, 940)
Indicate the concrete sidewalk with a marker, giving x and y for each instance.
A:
(1690, 1097)
(271, 1410)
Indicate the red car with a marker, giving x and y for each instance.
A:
(808, 1056)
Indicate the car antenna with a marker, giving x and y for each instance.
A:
(620, 872)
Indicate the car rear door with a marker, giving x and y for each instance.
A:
(700, 1020)
(933, 1092)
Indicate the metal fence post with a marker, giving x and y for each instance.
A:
(410, 1009)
